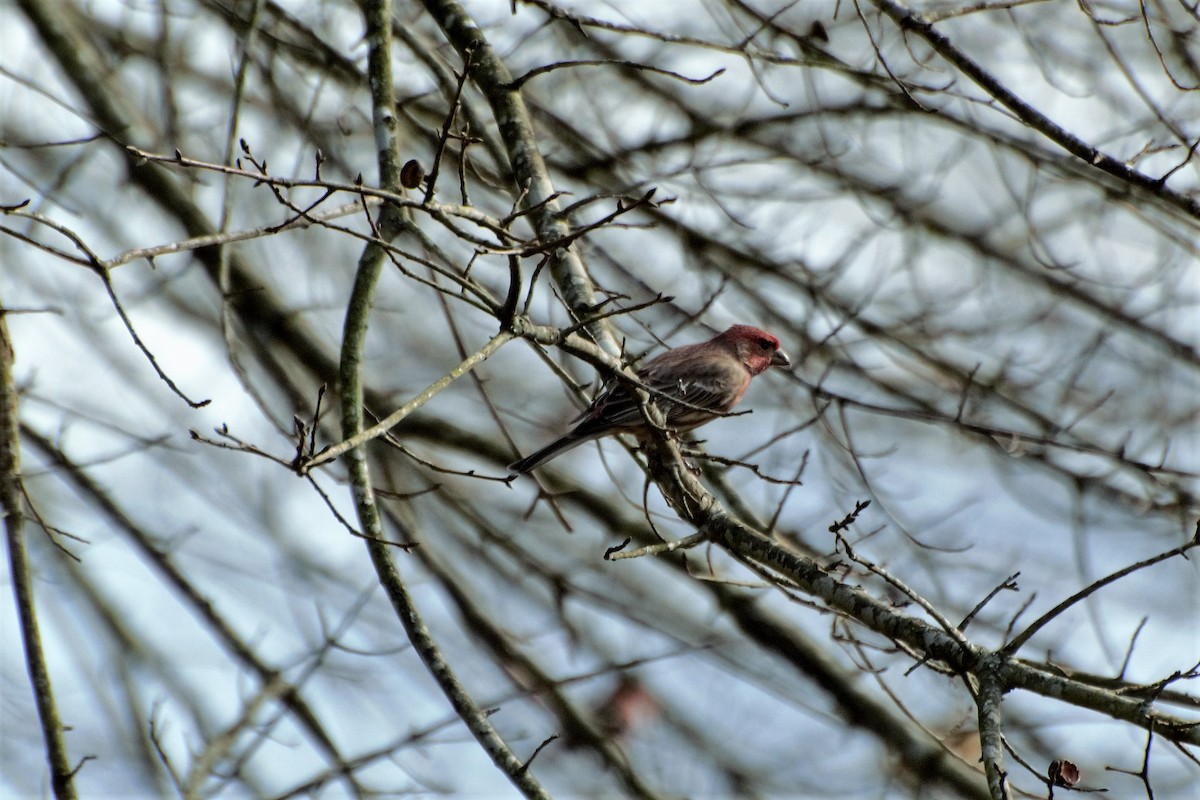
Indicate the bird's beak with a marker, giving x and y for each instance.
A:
(780, 359)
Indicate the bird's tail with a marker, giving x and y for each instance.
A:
(552, 450)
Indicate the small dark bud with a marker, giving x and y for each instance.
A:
(411, 174)
(1063, 773)
(610, 552)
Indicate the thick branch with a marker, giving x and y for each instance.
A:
(694, 503)
(11, 493)
(529, 171)
(370, 265)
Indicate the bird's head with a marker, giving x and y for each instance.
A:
(756, 348)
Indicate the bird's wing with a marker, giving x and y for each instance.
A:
(710, 389)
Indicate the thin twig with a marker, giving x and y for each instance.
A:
(1025, 635)
(331, 452)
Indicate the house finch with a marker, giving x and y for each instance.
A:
(710, 377)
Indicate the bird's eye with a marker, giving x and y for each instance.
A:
(765, 344)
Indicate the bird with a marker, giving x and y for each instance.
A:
(710, 377)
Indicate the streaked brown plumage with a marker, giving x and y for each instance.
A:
(712, 375)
